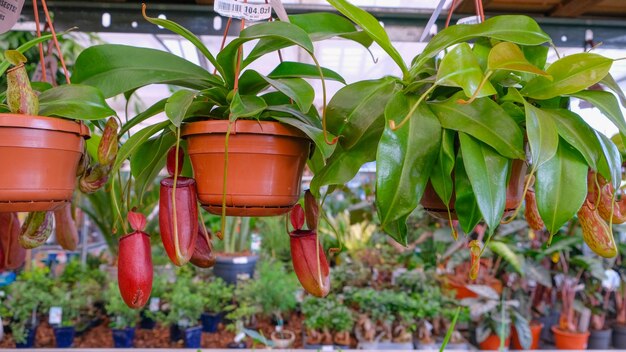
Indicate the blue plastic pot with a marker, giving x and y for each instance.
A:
(64, 336)
(145, 322)
(123, 338)
(30, 339)
(210, 322)
(176, 334)
(193, 337)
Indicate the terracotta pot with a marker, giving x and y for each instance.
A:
(492, 343)
(535, 331)
(41, 157)
(265, 164)
(565, 340)
(514, 193)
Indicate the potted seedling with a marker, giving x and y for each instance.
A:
(217, 296)
(495, 315)
(184, 307)
(149, 315)
(123, 318)
(327, 322)
(27, 297)
(619, 327)
(70, 304)
(597, 300)
(234, 261)
(483, 104)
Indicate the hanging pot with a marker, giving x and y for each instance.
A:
(514, 193)
(265, 164)
(41, 156)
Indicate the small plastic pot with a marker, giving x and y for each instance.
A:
(64, 336)
(123, 338)
(210, 322)
(193, 337)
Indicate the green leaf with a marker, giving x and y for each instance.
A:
(518, 29)
(313, 132)
(484, 120)
(187, 34)
(537, 272)
(487, 172)
(612, 160)
(508, 56)
(149, 160)
(542, 134)
(178, 104)
(319, 26)
(370, 25)
(116, 69)
(537, 55)
(290, 69)
(288, 32)
(522, 328)
(459, 68)
(135, 141)
(246, 106)
(153, 110)
(465, 203)
(503, 250)
(441, 176)
(403, 163)
(561, 187)
(75, 101)
(610, 83)
(570, 74)
(451, 330)
(357, 107)
(607, 103)
(575, 131)
(297, 89)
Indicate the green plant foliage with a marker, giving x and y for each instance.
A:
(121, 315)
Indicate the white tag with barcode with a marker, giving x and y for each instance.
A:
(55, 315)
(241, 10)
(10, 11)
(155, 304)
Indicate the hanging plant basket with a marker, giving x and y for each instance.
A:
(40, 157)
(265, 164)
(514, 193)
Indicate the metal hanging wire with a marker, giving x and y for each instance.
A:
(50, 25)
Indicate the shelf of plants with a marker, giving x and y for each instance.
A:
(492, 220)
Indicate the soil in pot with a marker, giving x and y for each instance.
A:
(234, 268)
(514, 193)
(492, 343)
(535, 332)
(265, 164)
(600, 339)
(43, 153)
(64, 336)
(565, 340)
(619, 336)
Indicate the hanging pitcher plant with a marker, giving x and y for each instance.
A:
(454, 131)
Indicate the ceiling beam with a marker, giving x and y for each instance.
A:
(572, 8)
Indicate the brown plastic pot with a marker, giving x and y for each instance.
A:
(39, 157)
(566, 340)
(535, 332)
(265, 164)
(514, 193)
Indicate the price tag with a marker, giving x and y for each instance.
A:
(327, 348)
(10, 11)
(56, 313)
(154, 304)
(238, 260)
(238, 9)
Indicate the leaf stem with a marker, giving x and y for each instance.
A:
(392, 123)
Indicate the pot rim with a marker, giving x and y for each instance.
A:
(283, 331)
(555, 329)
(241, 127)
(44, 123)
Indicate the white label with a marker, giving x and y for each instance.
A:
(56, 313)
(238, 9)
(10, 11)
(154, 304)
(327, 348)
(469, 20)
(238, 260)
